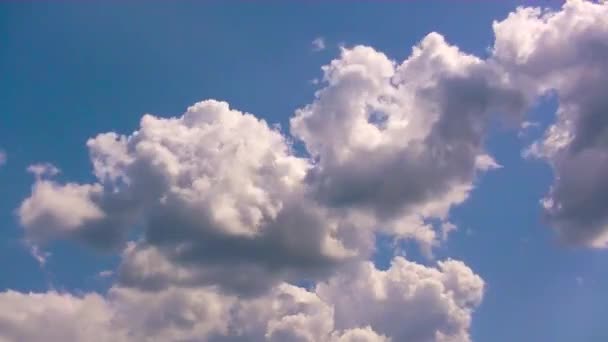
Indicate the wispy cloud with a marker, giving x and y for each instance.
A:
(318, 44)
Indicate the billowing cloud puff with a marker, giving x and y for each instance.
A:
(406, 302)
(402, 143)
(567, 52)
(213, 190)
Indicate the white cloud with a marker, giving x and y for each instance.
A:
(402, 143)
(408, 302)
(318, 44)
(213, 189)
(40, 256)
(105, 274)
(43, 170)
(426, 304)
(567, 52)
(57, 317)
(391, 147)
(231, 216)
(58, 210)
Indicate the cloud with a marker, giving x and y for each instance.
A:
(402, 143)
(2, 157)
(391, 147)
(566, 52)
(214, 190)
(43, 170)
(318, 44)
(408, 302)
(105, 274)
(429, 304)
(55, 210)
(40, 256)
(227, 216)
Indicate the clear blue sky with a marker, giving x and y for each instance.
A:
(70, 70)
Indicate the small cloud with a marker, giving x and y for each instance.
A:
(2, 157)
(526, 126)
(485, 162)
(38, 254)
(529, 124)
(580, 281)
(43, 169)
(105, 274)
(318, 44)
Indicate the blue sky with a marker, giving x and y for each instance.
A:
(71, 71)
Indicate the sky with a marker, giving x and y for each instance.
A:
(303, 171)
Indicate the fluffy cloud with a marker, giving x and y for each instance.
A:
(213, 190)
(566, 52)
(406, 302)
(402, 143)
(390, 148)
(56, 317)
(231, 217)
(55, 209)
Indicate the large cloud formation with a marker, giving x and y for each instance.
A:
(214, 190)
(223, 200)
(228, 217)
(407, 302)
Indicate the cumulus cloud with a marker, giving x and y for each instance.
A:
(231, 217)
(566, 52)
(405, 302)
(214, 190)
(391, 148)
(55, 209)
(402, 143)
(408, 302)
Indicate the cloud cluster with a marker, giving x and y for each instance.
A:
(566, 52)
(407, 302)
(228, 213)
(228, 217)
(222, 199)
